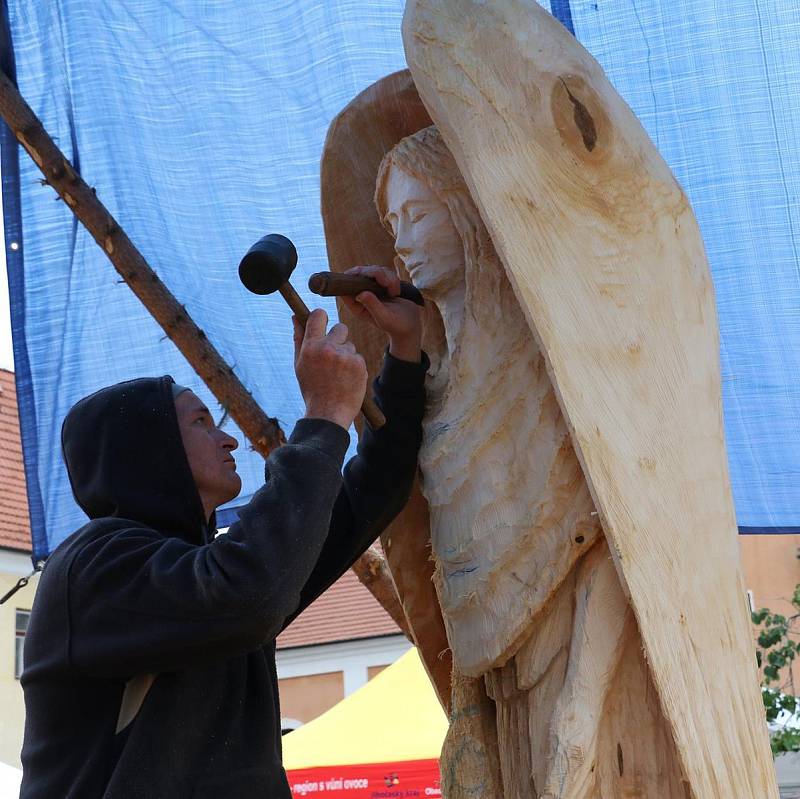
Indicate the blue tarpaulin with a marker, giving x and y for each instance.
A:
(201, 127)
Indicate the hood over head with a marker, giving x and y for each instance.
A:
(125, 458)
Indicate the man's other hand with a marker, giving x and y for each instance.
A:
(331, 374)
(400, 319)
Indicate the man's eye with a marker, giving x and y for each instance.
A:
(421, 215)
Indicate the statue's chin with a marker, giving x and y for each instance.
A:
(438, 273)
(421, 280)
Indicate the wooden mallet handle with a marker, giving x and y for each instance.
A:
(336, 284)
(372, 413)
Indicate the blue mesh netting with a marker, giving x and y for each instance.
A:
(201, 126)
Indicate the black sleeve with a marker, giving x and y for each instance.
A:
(378, 480)
(142, 602)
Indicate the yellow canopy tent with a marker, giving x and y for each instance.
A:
(382, 740)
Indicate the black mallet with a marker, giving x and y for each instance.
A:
(265, 269)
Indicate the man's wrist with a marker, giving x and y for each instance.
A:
(406, 349)
(322, 434)
(341, 417)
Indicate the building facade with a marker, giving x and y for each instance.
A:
(344, 639)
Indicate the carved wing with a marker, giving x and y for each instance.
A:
(607, 262)
(357, 140)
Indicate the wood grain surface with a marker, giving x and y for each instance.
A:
(606, 259)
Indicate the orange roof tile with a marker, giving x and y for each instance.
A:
(346, 611)
(15, 528)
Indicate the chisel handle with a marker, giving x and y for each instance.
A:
(335, 284)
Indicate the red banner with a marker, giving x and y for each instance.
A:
(410, 778)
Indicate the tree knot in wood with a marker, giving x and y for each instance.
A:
(583, 120)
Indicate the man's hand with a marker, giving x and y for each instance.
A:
(400, 319)
(331, 374)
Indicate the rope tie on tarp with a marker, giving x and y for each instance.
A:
(22, 582)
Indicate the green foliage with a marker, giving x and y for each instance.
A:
(777, 648)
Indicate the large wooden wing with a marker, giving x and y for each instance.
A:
(357, 140)
(606, 259)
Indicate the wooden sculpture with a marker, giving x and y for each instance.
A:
(575, 372)
(604, 254)
(525, 580)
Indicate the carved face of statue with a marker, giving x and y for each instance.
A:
(425, 238)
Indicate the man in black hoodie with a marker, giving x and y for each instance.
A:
(150, 656)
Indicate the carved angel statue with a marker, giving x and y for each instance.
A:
(579, 527)
(527, 587)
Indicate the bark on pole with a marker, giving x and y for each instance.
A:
(263, 431)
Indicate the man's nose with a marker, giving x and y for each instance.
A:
(229, 442)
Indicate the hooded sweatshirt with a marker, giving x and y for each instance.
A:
(150, 654)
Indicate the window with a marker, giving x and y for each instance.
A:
(21, 629)
(289, 725)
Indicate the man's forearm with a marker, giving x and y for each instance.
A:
(377, 481)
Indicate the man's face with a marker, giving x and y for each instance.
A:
(208, 450)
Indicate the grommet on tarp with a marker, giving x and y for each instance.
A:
(22, 582)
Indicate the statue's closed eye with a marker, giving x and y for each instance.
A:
(417, 217)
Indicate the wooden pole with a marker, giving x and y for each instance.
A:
(263, 431)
